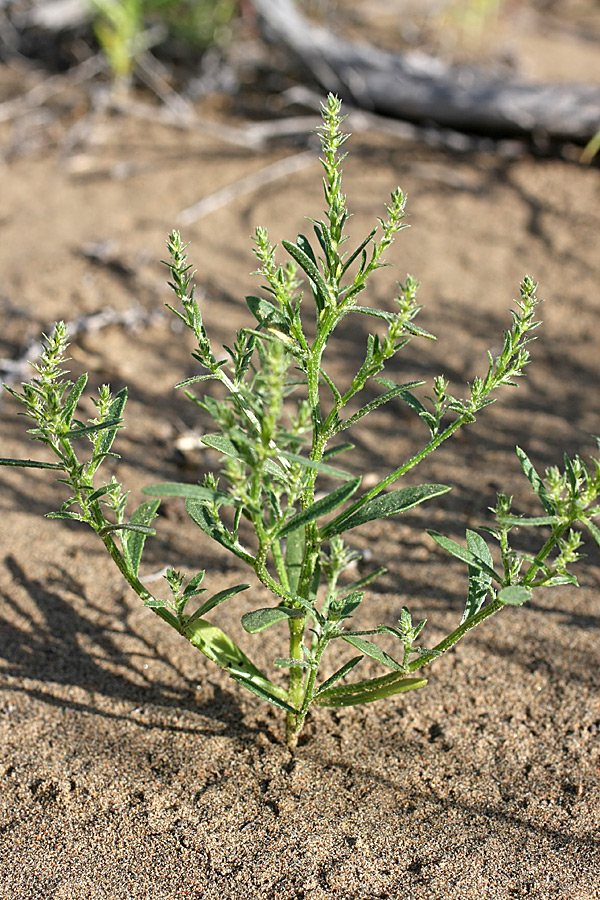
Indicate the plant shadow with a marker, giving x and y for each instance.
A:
(50, 642)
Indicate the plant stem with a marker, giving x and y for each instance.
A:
(136, 584)
(455, 636)
(295, 690)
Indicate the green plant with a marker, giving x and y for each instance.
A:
(120, 29)
(126, 29)
(279, 418)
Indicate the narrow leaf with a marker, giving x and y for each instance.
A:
(369, 691)
(319, 467)
(31, 464)
(193, 587)
(190, 491)
(294, 556)
(322, 293)
(479, 581)
(228, 448)
(199, 514)
(333, 451)
(464, 554)
(82, 430)
(256, 621)
(372, 650)
(536, 482)
(358, 251)
(389, 504)
(259, 690)
(527, 521)
(321, 507)
(265, 313)
(115, 413)
(376, 402)
(72, 400)
(304, 244)
(341, 672)
(126, 526)
(214, 601)
(593, 529)
(219, 647)
(134, 541)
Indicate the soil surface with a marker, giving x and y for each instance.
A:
(130, 766)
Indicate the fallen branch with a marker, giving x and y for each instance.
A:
(419, 88)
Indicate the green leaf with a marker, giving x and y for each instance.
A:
(266, 313)
(256, 621)
(389, 504)
(115, 413)
(292, 663)
(190, 491)
(358, 251)
(349, 603)
(368, 691)
(126, 526)
(389, 317)
(321, 507)
(65, 515)
(83, 430)
(570, 473)
(72, 400)
(294, 556)
(378, 401)
(219, 647)
(317, 466)
(593, 529)
(372, 650)
(514, 595)
(527, 521)
(464, 554)
(479, 581)
(133, 541)
(31, 464)
(561, 579)
(536, 482)
(214, 601)
(340, 673)
(418, 407)
(319, 285)
(367, 579)
(198, 513)
(333, 451)
(193, 587)
(259, 690)
(228, 448)
(155, 603)
(303, 242)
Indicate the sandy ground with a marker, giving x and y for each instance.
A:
(132, 768)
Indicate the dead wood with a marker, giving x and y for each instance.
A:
(419, 88)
